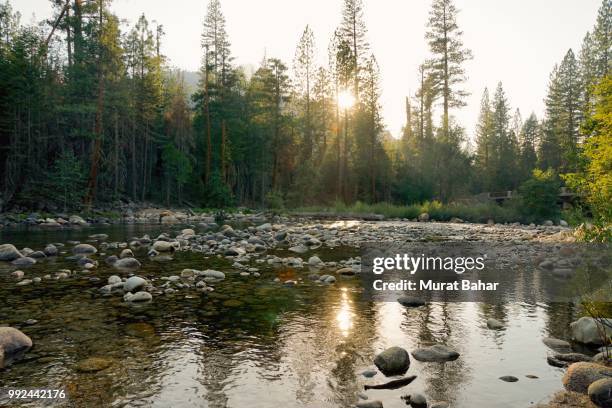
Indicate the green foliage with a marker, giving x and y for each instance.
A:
(437, 211)
(271, 138)
(68, 178)
(217, 194)
(539, 195)
(274, 200)
(594, 180)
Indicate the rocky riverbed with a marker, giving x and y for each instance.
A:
(267, 311)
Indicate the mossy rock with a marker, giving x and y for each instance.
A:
(93, 364)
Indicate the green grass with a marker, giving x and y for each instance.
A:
(478, 213)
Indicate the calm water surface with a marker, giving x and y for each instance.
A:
(256, 343)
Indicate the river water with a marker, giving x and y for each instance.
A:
(257, 343)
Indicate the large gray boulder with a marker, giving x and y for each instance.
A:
(23, 262)
(437, 352)
(84, 249)
(127, 263)
(13, 343)
(8, 252)
(580, 375)
(393, 361)
(587, 330)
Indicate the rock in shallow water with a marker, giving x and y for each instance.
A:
(557, 344)
(84, 249)
(114, 279)
(133, 283)
(437, 352)
(138, 297)
(393, 361)
(93, 364)
(418, 401)
(51, 250)
(579, 376)
(210, 273)
(164, 246)
(8, 252)
(600, 392)
(13, 343)
(127, 263)
(494, 324)
(410, 301)
(24, 261)
(369, 373)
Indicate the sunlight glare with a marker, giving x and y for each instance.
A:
(345, 314)
(345, 99)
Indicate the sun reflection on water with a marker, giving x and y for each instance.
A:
(345, 315)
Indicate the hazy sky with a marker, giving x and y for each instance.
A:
(513, 41)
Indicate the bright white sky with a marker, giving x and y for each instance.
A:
(517, 41)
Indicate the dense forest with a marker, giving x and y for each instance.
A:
(92, 114)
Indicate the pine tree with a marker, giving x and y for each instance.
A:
(304, 70)
(528, 139)
(484, 141)
(444, 37)
(504, 153)
(602, 40)
(216, 44)
(353, 33)
(559, 147)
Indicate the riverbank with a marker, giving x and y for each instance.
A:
(148, 214)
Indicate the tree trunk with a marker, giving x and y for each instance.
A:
(223, 143)
(95, 156)
(116, 158)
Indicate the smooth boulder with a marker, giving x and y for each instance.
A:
(127, 263)
(600, 392)
(138, 297)
(437, 353)
(13, 343)
(84, 249)
(557, 344)
(393, 361)
(494, 324)
(587, 330)
(51, 250)
(133, 283)
(25, 261)
(579, 376)
(210, 273)
(8, 252)
(164, 246)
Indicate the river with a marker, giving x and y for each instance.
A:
(256, 343)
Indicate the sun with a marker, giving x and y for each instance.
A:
(345, 99)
